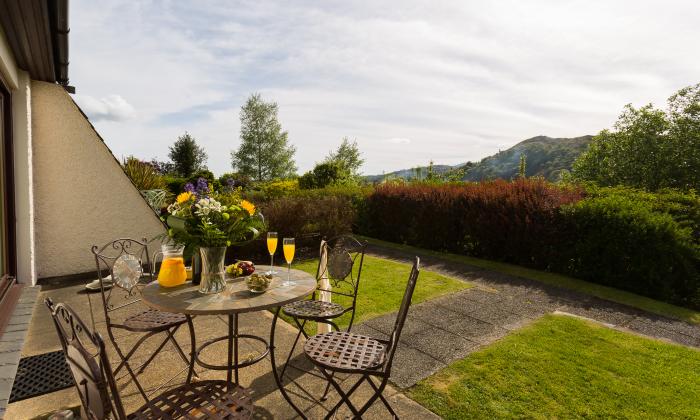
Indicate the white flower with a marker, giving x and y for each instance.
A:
(207, 205)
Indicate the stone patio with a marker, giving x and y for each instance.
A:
(269, 403)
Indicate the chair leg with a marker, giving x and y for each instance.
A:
(377, 394)
(296, 340)
(384, 400)
(344, 396)
(131, 353)
(171, 337)
(153, 356)
(125, 363)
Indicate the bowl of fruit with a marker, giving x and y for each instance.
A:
(240, 268)
(258, 283)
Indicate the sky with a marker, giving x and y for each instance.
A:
(411, 81)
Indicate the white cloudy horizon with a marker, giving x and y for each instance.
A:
(411, 81)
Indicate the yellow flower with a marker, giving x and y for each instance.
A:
(248, 206)
(184, 197)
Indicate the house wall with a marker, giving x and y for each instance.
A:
(81, 195)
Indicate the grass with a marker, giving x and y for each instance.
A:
(563, 367)
(381, 288)
(603, 292)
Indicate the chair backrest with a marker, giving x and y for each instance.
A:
(342, 254)
(86, 357)
(122, 259)
(401, 316)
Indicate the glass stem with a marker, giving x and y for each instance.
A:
(289, 272)
(272, 265)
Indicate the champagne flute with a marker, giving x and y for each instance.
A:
(272, 248)
(288, 248)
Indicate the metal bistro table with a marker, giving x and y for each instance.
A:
(234, 300)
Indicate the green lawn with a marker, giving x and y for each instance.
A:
(563, 367)
(593, 289)
(382, 285)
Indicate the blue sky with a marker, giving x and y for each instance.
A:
(410, 80)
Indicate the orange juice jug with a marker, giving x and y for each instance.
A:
(172, 269)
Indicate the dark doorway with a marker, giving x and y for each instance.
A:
(8, 259)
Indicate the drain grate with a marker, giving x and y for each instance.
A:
(41, 374)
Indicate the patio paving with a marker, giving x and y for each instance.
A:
(443, 330)
(269, 403)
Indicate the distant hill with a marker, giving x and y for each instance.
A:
(545, 156)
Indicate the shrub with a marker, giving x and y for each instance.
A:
(625, 242)
(625, 238)
(279, 188)
(509, 221)
(233, 180)
(175, 184)
(208, 175)
(142, 174)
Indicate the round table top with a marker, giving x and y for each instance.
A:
(186, 299)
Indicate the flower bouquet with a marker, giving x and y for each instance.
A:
(212, 221)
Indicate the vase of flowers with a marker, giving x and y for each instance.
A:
(212, 221)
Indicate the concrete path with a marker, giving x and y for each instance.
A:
(446, 329)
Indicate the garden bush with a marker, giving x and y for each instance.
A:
(175, 184)
(625, 241)
(629, 239)
(500, 220)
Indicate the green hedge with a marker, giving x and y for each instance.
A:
(629, 239)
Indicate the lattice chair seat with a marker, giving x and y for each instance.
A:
(199, 400)
(343, 351)
(313, 309)
(152, 320)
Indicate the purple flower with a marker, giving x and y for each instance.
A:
(202, 187)
(189, 187)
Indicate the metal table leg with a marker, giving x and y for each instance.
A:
(276, 375)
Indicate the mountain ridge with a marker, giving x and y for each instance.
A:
(544, 156)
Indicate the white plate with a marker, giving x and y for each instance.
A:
(95, 284)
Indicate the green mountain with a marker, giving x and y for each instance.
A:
(544, 156)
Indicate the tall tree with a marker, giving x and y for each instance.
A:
(648, 147)
(187, 156)
(348, 156)
(264, 153)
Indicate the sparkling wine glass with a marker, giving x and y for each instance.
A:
(272, 248)
(288, 248)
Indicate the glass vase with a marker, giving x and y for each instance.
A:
(213, 270)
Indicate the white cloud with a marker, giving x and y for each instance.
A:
(459, 79)
(109, 108)
(398, 140)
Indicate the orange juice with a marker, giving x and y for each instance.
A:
(288, 252)
(172, 272)
(272, 245)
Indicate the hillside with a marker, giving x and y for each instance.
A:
(545, 156)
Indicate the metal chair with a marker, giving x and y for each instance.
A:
(124, 259)
(359, 354)
(336, 264)
(86, 357)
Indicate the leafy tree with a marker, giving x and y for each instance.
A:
(348, 156)
(323, 175)
(264, 153)
(522, 167)
(186, 156)
(648, 148)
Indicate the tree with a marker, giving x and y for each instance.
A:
(348, 156)
(264, 153)
(522, 167)
(186, 156)
(648, 148)
(325, 174)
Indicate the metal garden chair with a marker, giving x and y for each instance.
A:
(86, 357)
(125, 259)
(338, 257)
(359, 354)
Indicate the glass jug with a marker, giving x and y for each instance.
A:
(172, 269)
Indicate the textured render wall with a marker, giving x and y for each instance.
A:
(81, 195)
